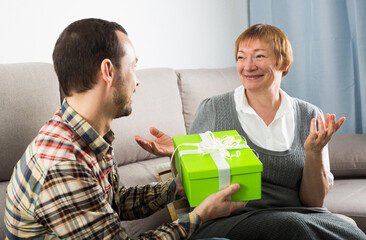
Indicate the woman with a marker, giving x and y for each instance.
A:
(290, 137)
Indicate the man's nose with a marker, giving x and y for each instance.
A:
(137, 81)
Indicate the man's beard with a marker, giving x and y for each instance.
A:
(121, 101)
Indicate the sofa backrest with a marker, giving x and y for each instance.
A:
(199, 84)
(347, 155)
(29, 96)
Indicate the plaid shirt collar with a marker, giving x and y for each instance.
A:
(98, 144)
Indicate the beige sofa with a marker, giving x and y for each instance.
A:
(166, 99)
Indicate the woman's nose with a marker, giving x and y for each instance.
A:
(250, 64)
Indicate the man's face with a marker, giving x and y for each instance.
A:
(126, 80)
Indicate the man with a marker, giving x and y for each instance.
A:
(66, 185)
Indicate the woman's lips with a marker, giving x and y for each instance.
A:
(253, 77)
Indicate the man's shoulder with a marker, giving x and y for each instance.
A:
(55, 140)
(58, 127)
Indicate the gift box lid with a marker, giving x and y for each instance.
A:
(200, 166)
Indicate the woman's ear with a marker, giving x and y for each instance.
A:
(285, 67)
(107, 71)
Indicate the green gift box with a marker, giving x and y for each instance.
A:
(199, 171)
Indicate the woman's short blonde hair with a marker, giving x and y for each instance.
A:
(269, 34)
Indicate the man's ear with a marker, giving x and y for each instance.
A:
(107, 71)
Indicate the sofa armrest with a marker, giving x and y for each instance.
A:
(347, 155)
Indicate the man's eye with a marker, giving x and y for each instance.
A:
(260, 56)
(241, 57)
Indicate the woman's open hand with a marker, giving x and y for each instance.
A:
(317, 139)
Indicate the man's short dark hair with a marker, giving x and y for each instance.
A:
(81, 48)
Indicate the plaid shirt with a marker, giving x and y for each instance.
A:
(66, 185)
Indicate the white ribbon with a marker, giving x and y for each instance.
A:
(218, 149)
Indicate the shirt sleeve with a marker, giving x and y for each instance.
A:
(182, 228)
(144, 200)
(326, 163)
(72, 205)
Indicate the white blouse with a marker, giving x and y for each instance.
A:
(277, 136)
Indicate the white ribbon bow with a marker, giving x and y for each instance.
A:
(211, 144)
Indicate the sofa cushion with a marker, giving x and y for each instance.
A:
(199, 84)
(347, 197)
(140, 173)
(349, 160)
(156, 103)
(29, 96)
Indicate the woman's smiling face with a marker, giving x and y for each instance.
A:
(257, 67)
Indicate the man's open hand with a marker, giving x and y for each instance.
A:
(162, 145)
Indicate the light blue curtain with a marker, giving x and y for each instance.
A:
(328, 38)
